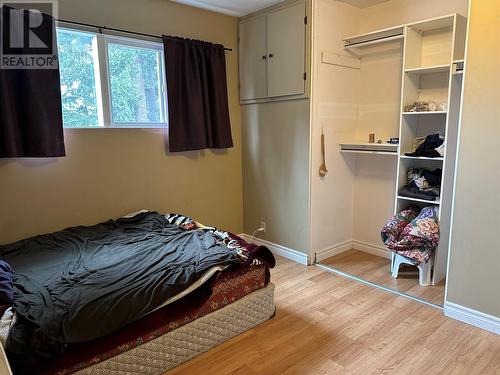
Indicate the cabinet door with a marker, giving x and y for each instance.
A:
(286, 34)
(253, 59)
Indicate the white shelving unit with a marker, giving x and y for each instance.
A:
(433, 56)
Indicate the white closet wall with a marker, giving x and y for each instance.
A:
(378, 112)
(334, 109)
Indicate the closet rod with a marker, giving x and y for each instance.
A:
(374, 41)
(101, 28)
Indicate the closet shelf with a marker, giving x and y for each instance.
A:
(420, 158)
(368, 152)
(379, 36)
(369, 148)
(427, 113)
(418, 200)
(429, 69)
(434, 23)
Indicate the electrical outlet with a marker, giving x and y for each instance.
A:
(263, 226)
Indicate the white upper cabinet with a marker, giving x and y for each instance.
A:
(272, 51)
(286, 38)
(253, 59)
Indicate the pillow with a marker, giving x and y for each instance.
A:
(6, 286)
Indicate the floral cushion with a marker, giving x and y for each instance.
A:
(419, 237)
(394, 227)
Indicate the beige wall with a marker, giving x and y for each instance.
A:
(276, 171)
(474, 266)
(110, 172)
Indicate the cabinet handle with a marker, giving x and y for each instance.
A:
(264, 57)
(271, 55)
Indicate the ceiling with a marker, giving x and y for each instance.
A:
(363, 3)
(241, 8)
(236, 8)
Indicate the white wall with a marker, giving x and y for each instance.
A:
(334, 110)
(379, 100)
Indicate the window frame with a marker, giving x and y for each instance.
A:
(103, 78)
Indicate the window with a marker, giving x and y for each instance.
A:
(109, 81)
(78, 65)
(135, 84)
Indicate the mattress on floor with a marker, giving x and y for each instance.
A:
(227, 288)
(192, 339)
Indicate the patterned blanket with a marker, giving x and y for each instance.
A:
(249, 253)
(412, 233)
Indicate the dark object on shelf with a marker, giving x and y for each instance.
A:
(413, 192)
(371, 138)
(393, 141)
(422, 184)
(428, 147)
(433, 178)
(425, 180)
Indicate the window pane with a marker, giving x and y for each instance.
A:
(78, 69)
(135, 79)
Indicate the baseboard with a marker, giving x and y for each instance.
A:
(472, 317)
(333, 250)
(353, 244)
(302, 258)
(280, 250)
(371, 249)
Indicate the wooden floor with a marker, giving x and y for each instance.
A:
(377, 270)
(326, 324)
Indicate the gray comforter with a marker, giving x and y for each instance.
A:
(85, 282)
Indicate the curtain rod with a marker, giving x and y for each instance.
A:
(101, 28)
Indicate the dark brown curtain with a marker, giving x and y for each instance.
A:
(30, 104)
(197, 95)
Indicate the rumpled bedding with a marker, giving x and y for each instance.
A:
(413, 233)
(85, 282)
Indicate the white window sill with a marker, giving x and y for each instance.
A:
(154, 126)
